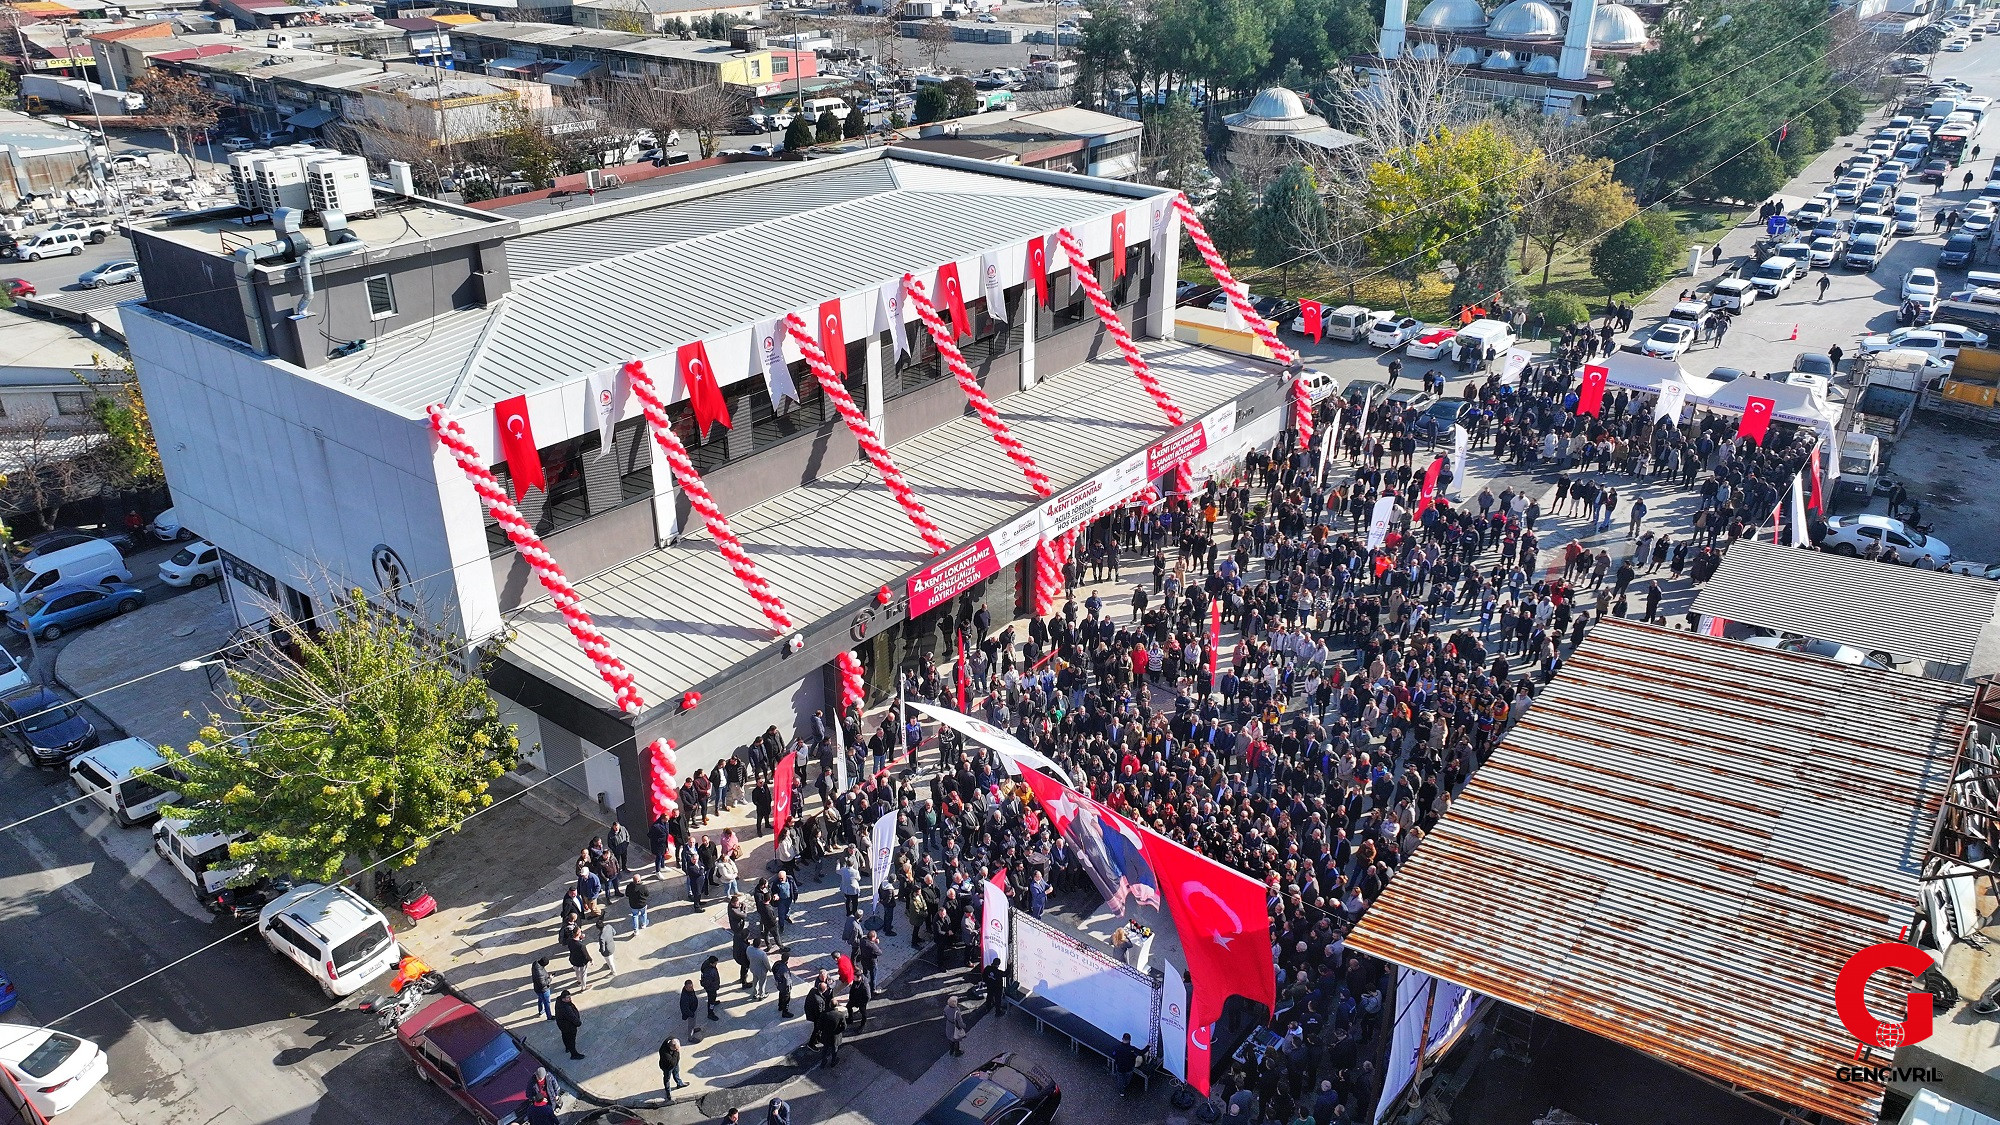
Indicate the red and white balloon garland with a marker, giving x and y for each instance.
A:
(1050, 556)
(871, 443)
(1081, 270)
(703, 501)
(568, 602)
(852, 688)
(1302, 415)
(982, 405)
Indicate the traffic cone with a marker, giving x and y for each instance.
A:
(1795, 331)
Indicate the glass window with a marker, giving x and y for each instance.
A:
(72, 402)
(381, 297)
(771, 427)
(920, 366)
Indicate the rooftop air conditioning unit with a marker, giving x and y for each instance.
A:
(340, 183)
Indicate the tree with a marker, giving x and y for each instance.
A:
(1174, 135)
(855, 124)
(1431, 196)
(1630, 259)
(707, 110)
(632, 20)
(799, 134)
(933, 39)
(1486, 258)
(827, 129)
(130, 455)
(1571, 203)
(1232, 219)
(374, 739)
(1559, 309)
(1754, 174)
(963, 96)
(1291, 222)
(49, 466)
(1104, 55)
(933, 104)
(178, 104)
(527, 149)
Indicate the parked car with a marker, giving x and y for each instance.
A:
(1392, 334)
(196, 565)
(1829, 650)
(1732, 293)
(1816, 363)
(110, 776)
(1008, 1090)
(1958, 251)
(49, 542)
(1668, 340)
(1935, 339)
(53, 1068)
(1430, 344)
(92, 231)
(69, 606)
(8, 997)
(12, 677)
(335, 935)
(1437, 420)
(1976, 569)
(1319, 384)
(110, 273)
(52, 728)
(167, 527)
(464, 1052)
(1725, 374)
(1826, 250)
(1851, 535)
(17, 287)
(1921, 285)
(1935, 171)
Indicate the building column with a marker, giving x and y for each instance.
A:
(875, 384)
(1160, 317)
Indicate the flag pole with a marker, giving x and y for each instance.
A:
(1326, 441)
(839, 753)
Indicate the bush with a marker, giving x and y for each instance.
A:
(1848, 110)
(1559, 310)
(799, 134)
(1630, 259)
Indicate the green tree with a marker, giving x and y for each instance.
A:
(1291, 221)
(1629, 259)
(855, 124)
(963, 95)
(1429, 197)
(1486, 258)
(131, 456)
(375, 740)
(827, 129)
(1175, 135)
(1753, 175)
(799, 134)
(1567, 204)
(933, 104)
(1104, 56)
(1232, 219)
(1560, 309)
(10, 89)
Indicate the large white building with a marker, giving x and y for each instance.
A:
(1543, 52)
(288, 383)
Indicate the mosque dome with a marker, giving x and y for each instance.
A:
(1526, 19)
(1453, 15)
(1276, 104)
(1617, 27)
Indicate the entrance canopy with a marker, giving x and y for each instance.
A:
(1678, 846)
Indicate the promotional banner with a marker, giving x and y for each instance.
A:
(882, 845)
(1082, 979)
(1461, 443)
(952, 575)
(1013, 752)
(1173, 1021)
(994, 289)
(1175, 450)
(1423, 1002)
(782, 783)
(889, 309)
(1162, 215)
(1515, 363)
(1378, 523)
(1067, 511)
(1111, 848)
(993, 922)
(1673, 397)
(608, 391)
(1429, 492)
(1016, 540)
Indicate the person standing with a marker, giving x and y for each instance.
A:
(659, 837)
(607, 949)
(779, 1113)
(954, 1027)
(569, 1021)
(1125, 1060)
(670, 1067)
(857, 1003)
(760, 968)
(711, 982)
(781, 975)
(691, 1011)
(637, 896)
(760, 797)
(829, 1036)
(579, 960)
(620, 842)
(538, 975)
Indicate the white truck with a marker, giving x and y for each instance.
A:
(1860, 463)
(1885, 397)
(78, 96)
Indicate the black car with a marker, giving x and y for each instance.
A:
(1006, 1091)
(1957, 252)
(48, 542)
(1726, 374)
(1438, 419)
(1816, 363)
(52, 728)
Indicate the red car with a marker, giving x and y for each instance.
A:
(459, 1049)
(17, 286)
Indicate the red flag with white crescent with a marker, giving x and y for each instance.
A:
(1214, 634)
(781, 794)
(517, 442)
(1118, 243)
(1038, 268)
(1756, 418)
(1225, 935)
(1812, 474)
(1425, 497)
(832, 336)
(961, 677)
(1311, 318)
(954, 299)
(704, 394)
(1590, 397)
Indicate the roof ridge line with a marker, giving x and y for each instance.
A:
(478, 352)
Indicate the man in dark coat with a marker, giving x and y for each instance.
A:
(569, 1021)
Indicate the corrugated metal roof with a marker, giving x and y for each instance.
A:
(1679, 845)
(1880, 607)
(678, 617)
(645, 281)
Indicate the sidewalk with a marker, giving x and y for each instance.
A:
(163, 705)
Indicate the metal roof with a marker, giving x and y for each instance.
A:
(1678, 846)
(679, 618)
(1909, 613)
(590, 294)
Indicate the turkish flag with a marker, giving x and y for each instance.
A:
(1430, 486)
(1214, 634)
(961, 677)
(1225, 935)
(1812, 475)
(1038, 268)
(954, 299)
(1056, 801)
(1309, 316)
(832, 337)
(1590, 398)
(517, 442)
(704, 394)
(1756, 418)
(1118, 244)
(781, 794)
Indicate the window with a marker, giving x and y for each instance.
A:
(757, 68)
(582, 485)
(381, 297)
(72, 402)
(779, 65)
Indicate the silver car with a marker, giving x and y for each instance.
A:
(110, 273)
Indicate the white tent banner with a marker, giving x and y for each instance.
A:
(1173, 1020)
(1378, 524)
(1673, 399)
(1012, 750)
(881, 847)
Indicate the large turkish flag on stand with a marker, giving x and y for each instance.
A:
(1225, 933)
(1756, 418)
(1590, 397)
(517, 444)
(1311, 316)
(781, 794)
(1429, 493)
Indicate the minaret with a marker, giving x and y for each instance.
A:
(1575, 62)
(1395, 13)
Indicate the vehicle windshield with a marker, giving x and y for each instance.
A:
(52, 1053)
(490, 1060)
(40, 719)
(183, 557)
(361, 946)
(33, 606)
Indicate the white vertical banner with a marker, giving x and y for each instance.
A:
(771, 359)
(889, 308)
(1415, 995)
(993, 287)
(1799, 536)
(993, 922)
(1173, 1020)
(1378, 524)
(1515, 363)
(1673, 396)
(881, 848)
(1162, 216)
(1461, 443)
(608, 391)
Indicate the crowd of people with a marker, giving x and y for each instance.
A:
(1362, 686)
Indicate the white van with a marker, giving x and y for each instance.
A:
(1732, 293)
(1352, 322)
(49, 244)
(105, 775)
(335, 935)
(1776, 275)
(96, 562)
(1488, 337)
(202, 860)
(817, 106)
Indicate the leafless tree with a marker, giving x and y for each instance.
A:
(48, 463)
(932, 40)
(407, 133)
(708, 111)
(886, 32)
(1412, 99)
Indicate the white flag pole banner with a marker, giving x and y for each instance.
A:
(1517, 362)
(608, 391)
(1162, 215)
(1461, 442)
(1231, 317)
(1378, 524)
(881, 847)
(991, 285)
(1673, 396)
(1799, 537)
(771, 357)
(993, 925)
(1012, 750)
(1173, 1020)
(889, 307)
